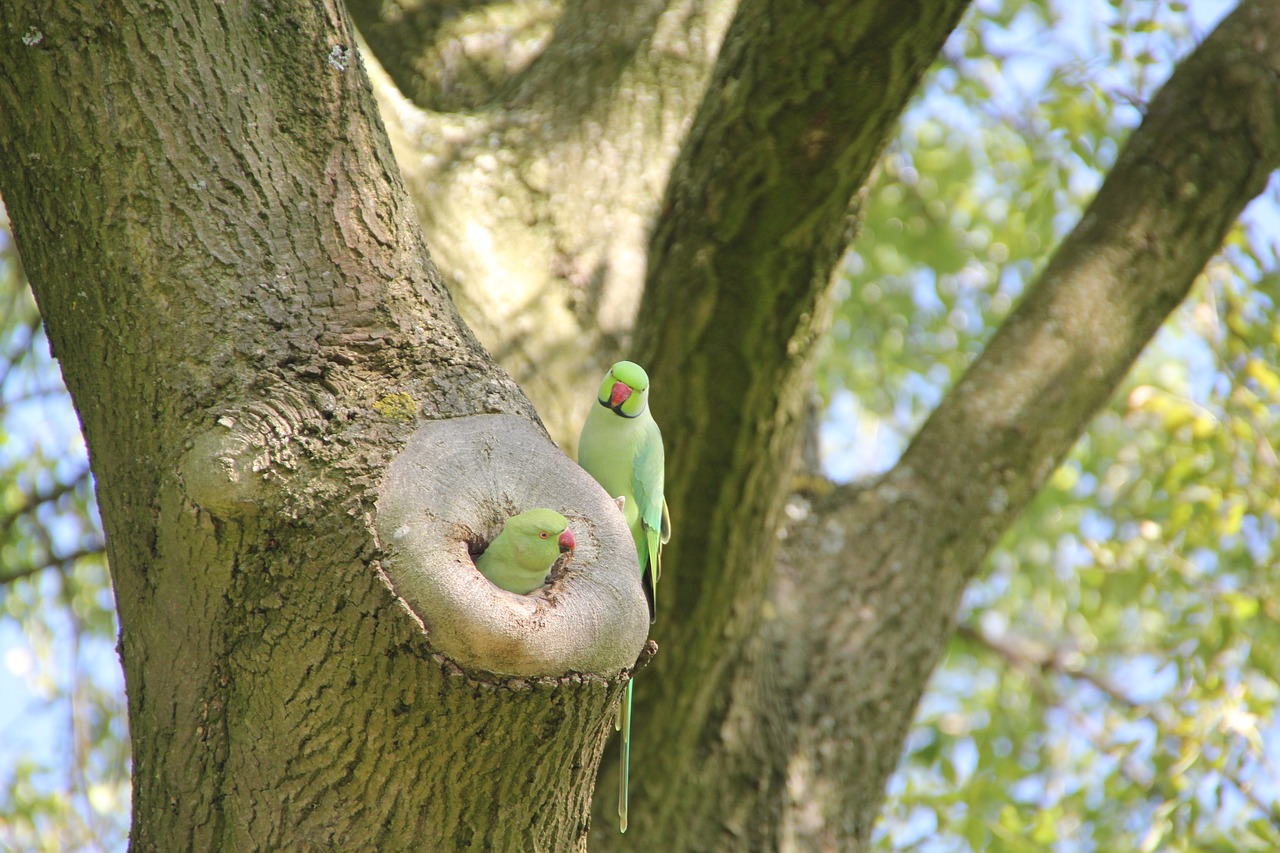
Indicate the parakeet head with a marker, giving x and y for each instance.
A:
(625, 389)
(524, 552)
(539, 536)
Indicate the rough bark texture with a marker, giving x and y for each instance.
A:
(252, 331)
(249, 324)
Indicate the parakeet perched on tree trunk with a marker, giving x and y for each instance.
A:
(621, 446)
(521, 556)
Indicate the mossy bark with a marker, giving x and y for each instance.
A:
(237, 290)
(253, 333)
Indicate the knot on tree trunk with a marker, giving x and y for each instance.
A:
(447, 494)
(231, 469)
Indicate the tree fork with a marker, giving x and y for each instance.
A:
(862, 626)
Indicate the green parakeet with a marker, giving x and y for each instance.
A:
(621, 446)
(521, 556)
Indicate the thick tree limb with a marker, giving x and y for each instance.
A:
(757, 215)
(1206, 148)
(873, 576)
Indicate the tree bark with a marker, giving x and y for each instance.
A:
(539, 188)
(870, 575)
(254, 335)
(250, 327)
(759, 212)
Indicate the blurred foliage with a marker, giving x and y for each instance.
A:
(1114, 680)
(64, 763)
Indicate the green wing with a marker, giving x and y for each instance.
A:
(648, 480)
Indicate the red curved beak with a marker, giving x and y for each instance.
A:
(620, 393)
(566, 541)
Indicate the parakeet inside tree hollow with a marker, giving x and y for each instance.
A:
(621, 447)
(521, 556)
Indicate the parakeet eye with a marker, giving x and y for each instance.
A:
(543, 534)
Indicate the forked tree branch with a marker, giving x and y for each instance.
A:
(878, 571)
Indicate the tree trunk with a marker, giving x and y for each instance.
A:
(538, 182)
(246, 317)
(297, 442)
(808, 714)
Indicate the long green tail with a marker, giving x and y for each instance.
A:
(623, 724)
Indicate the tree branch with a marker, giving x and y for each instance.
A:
(1036, 659)
(1206, 148)
(60, 563)
(20, 348)
(870, 577)
(757, 215)
(32, 501)
(1029, 655)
